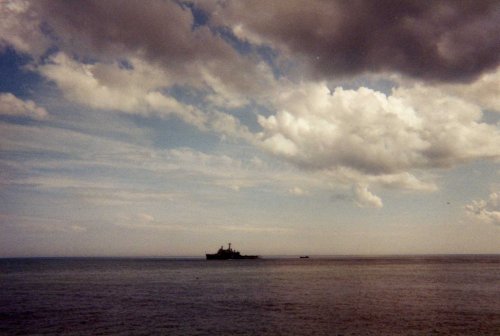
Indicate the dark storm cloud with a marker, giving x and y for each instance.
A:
(446, 40)
(157, 30)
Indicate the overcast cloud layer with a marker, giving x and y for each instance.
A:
(191, 103)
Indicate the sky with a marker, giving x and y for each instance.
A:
(170, 128)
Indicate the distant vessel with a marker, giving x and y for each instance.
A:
(304, 257)
(229, 253)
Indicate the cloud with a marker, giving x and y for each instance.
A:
(161, 31)
(376, 134)
(146, 221)
(252, 229)
(20, 28)
(158, 61)
(487, 211)
(13, 106)
(54, 159)
(39, 224)
(419, 180)
(164, 34)
(364, 137)
(136, 90)
(108, 86)
(443, 40)
(364, 198)
(485, 91)
(162, 40)
(69, 144)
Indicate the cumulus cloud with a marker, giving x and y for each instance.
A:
(487, 211)
(365, 137)
(376, 134)
(444, 40)
(136, 90)
(103, 86)
(13, 106)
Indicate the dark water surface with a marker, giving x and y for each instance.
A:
(452, 295)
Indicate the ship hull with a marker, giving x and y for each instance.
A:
(229, 257)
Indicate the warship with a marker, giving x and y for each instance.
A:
(229, 253)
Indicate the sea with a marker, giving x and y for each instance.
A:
(348, 295)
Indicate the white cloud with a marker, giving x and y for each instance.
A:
(364, 137)
(13, 106)
(484, 92)
(105, 86)
(487, 211)
(166, 105)
(424, 182)
(375, 134)
(57, 152)
(364, 198)
(404, 180)
(134, 91)
(231, 87)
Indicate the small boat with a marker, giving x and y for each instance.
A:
(304, 257)
(229, 253)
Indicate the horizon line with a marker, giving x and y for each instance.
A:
(263, 256)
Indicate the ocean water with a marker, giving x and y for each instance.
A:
(439, 295)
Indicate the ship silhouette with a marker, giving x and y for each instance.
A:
(229, 253)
